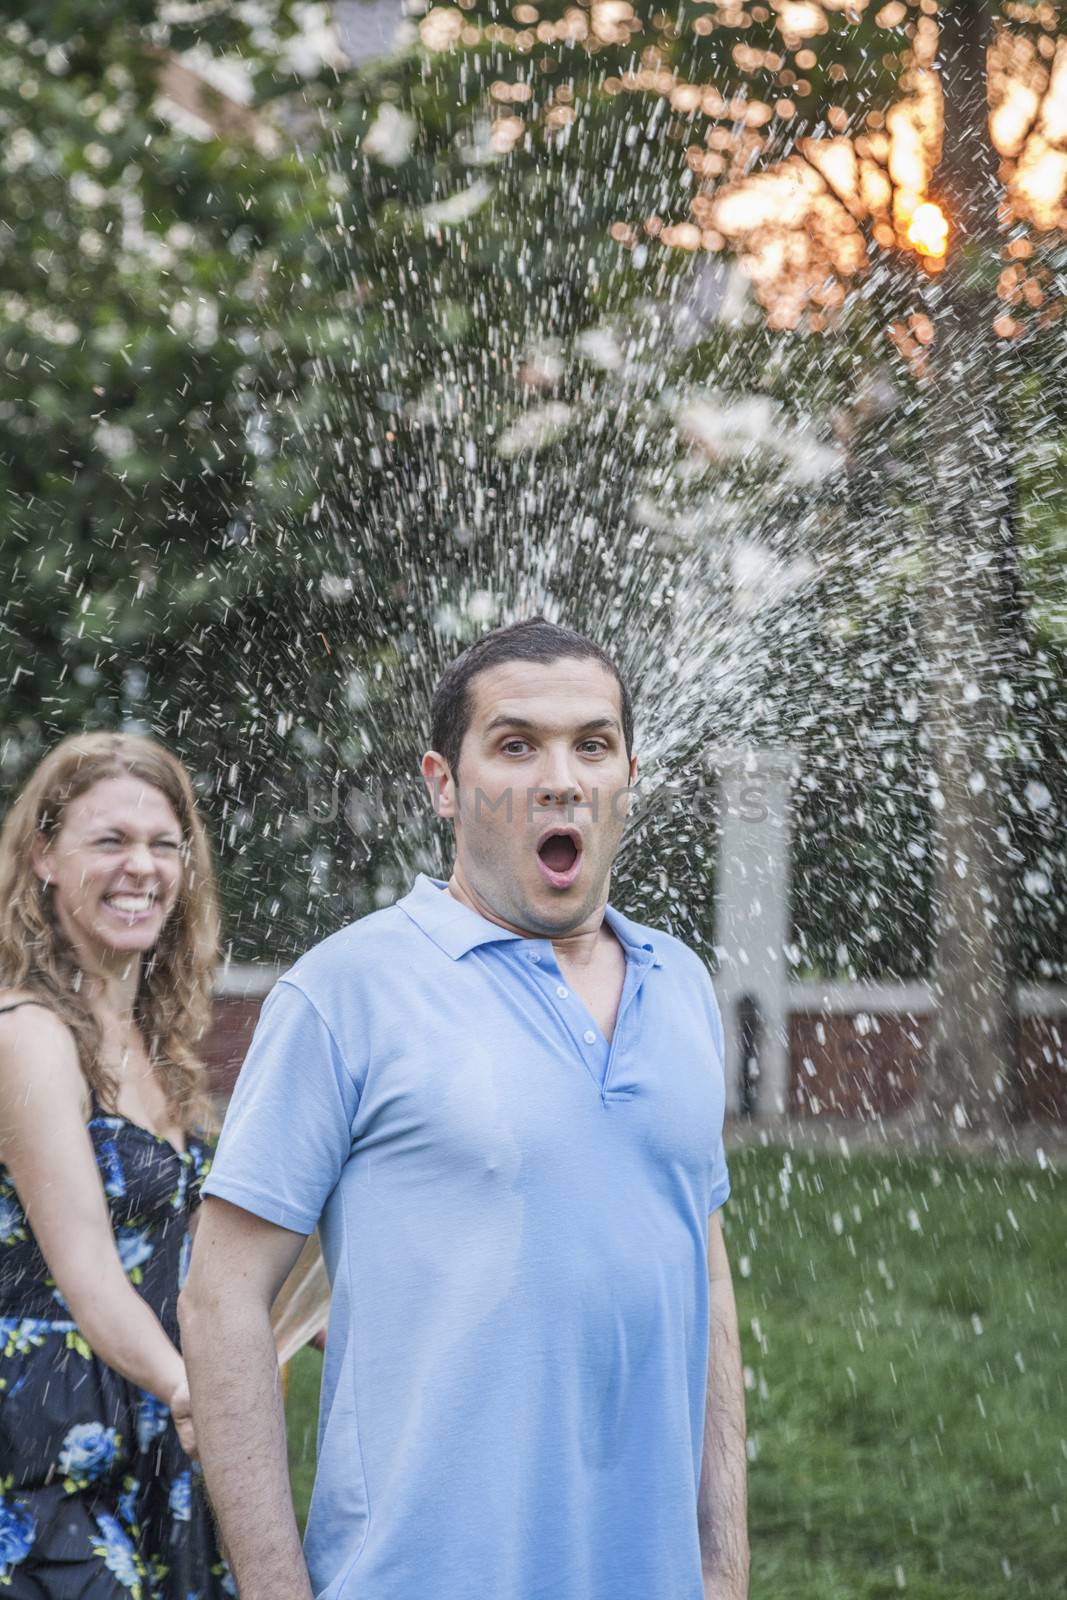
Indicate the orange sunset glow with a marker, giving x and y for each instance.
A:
(928, 229)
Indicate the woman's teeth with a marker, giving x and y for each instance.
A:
(131, 905)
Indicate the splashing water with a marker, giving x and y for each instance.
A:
(492, 345)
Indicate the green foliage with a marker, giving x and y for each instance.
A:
(290, 413)
(137, 326)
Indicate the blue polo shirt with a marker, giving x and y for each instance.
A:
(514, 1216)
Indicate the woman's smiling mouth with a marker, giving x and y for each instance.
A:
(131, 907)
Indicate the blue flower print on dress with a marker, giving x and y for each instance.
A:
(16, 1388)
(118, 1554)
(177, 1199)
(12, 1217)
(88, 1451)
(127, 1502)
(225, 1577)
(134, 1246)
(111, 1170)
(201, 1167)
(17, 1532)
(152, 1417)
(180, 1502)
(20, 1335)
(183, 1261)
(97, 1457)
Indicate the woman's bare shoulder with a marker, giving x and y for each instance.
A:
(22, 1005)
(26, 1018)
(12, 995)
(40, 1074)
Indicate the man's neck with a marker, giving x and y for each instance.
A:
(579, 947)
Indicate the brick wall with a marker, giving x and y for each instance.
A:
(869, 1065)
(228, 1038)
(1043, 1052)
(854, 1066)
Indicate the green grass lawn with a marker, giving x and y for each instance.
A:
(904, 1324)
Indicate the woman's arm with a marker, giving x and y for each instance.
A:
(47, 1150)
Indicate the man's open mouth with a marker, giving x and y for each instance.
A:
(560, 853)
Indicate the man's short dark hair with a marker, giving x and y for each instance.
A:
(533, 640)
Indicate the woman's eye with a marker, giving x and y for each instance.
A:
(166, 844)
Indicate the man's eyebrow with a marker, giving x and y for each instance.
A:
(594, 724)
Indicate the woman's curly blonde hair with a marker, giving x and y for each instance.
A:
(173, 1006)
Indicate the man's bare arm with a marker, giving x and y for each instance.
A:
(238, 1265)
(722, 1507)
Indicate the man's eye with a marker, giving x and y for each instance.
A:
(593, 746)
(514, 746)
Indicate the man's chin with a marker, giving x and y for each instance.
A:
(528, 904)
(558, 912)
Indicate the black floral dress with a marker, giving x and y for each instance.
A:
(98, 1501)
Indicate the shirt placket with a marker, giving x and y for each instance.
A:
(639, 964)
(594, 1051)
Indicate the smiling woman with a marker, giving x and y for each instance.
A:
(108, 935)
(102, 857)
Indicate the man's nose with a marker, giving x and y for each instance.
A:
(557, 785)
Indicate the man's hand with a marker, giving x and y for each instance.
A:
(181, 1410)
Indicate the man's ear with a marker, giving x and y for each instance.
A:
(440, 784)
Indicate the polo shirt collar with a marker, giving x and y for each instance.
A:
(452, 926)
(456, 929)
(633, 935)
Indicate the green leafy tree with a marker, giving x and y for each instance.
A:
(429, 349)
(138, 315)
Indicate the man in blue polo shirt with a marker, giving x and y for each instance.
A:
(501, 1103)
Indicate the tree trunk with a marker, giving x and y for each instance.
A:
(973, 1073)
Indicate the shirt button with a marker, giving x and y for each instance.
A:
(535, 956)
(589, 1036)
(562, 992)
